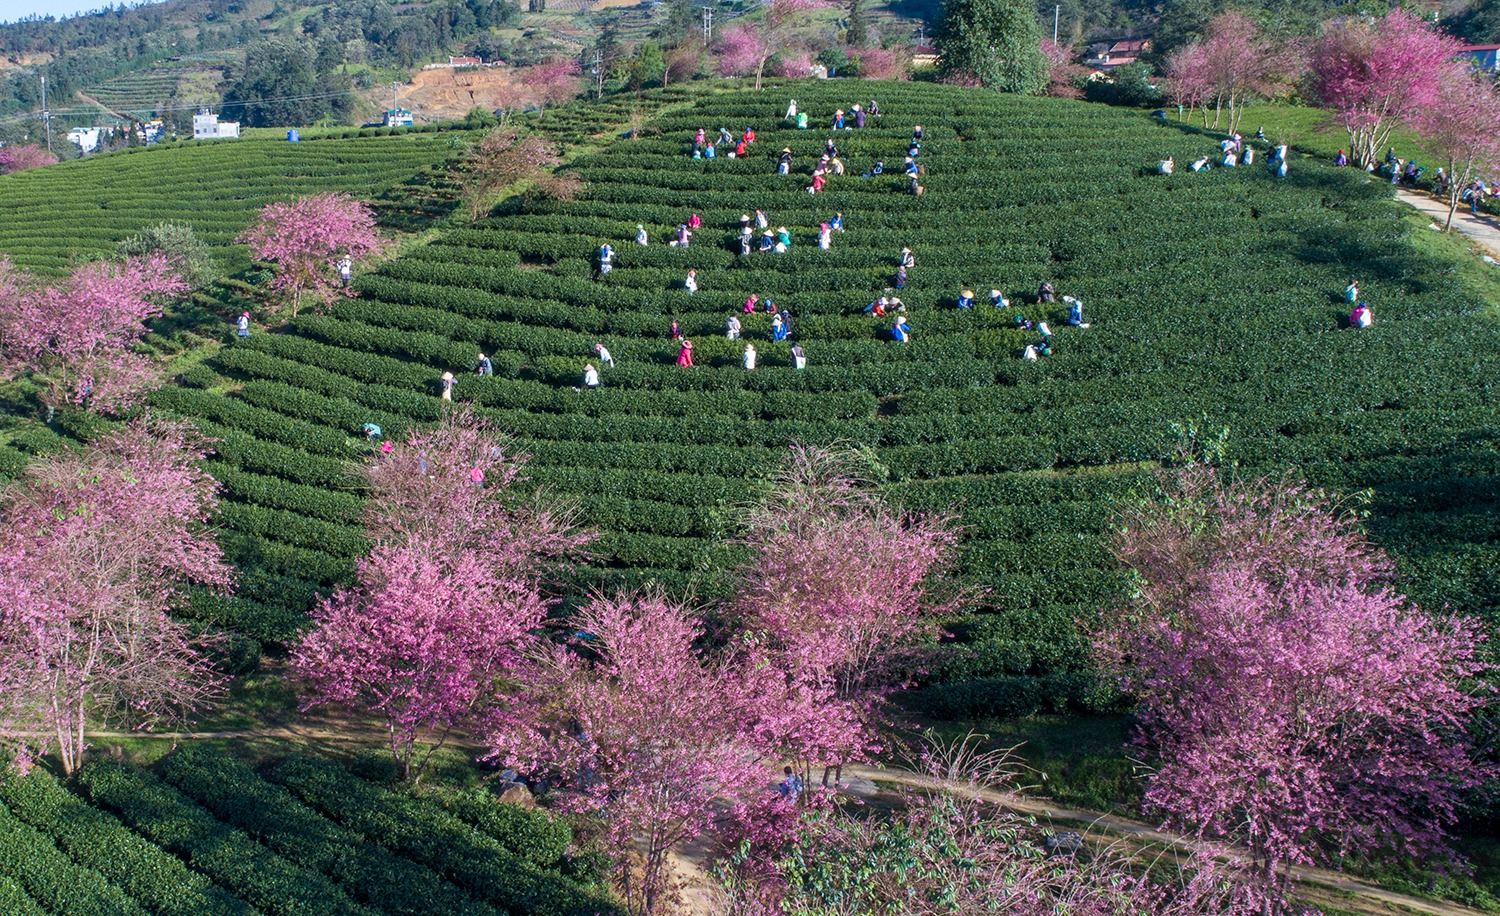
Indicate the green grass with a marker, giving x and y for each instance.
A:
(1477, 886)
(1077, 761)
(1301, 126)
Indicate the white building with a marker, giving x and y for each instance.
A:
(207, 126)
(85, 138)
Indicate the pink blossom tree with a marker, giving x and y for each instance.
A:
(743, 50)
(554, 81)
(306, 238)
(433, 634)
(96, 548)
(793, 64)
(551, 82)
(836, 599)
(1232, 66)
(883, 63)
(1188, 83)
(77, 339)
(1064, 72)
(1291, 699)
(645, 730)
(745, 47)
(1458, 126)
(1375, 75)
(19, 158)
(423, 492)
(427, 641)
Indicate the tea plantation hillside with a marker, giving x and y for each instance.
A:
(211, 836)
(1214, 299)
(82, 209)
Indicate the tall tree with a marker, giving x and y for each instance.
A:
(745, 47)
(96, 548)
(278, 85)
(680, 22)
(1291, 699)
(996, 43)
(507, 157)
(77, 339)
(1373, 75)
(1233, 65)
(433, 634)
(643, 729)
(648, 65)
(857, 32)
(1458, 126)
(838, 595)
(1065, 75)
(305, 238)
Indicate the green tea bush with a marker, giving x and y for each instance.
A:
(52, 880)
(94, 839)
(233, 792)
(13, 899)
(234, 861)
(427, 834)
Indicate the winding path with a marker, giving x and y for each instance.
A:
(1308, 879)
(1318, 885)
(1483, 231)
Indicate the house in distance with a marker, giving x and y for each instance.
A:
(207, 126)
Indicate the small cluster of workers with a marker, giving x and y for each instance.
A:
(1233, 151)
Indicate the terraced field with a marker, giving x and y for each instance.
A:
(138, 93)
(1213, 298)
(211, 836)
(82, 209)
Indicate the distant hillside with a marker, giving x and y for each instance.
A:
(294, 62)
(166, 59)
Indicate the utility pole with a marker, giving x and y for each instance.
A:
(394, 88)
(599, 73)
(708, 26)
(46, 116)
(1056, 12)
(922, 35)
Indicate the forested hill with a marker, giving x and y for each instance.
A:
(223, 38)
(166, 59)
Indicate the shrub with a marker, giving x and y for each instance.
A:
(96, 840)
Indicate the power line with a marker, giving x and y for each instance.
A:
(23, 116)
